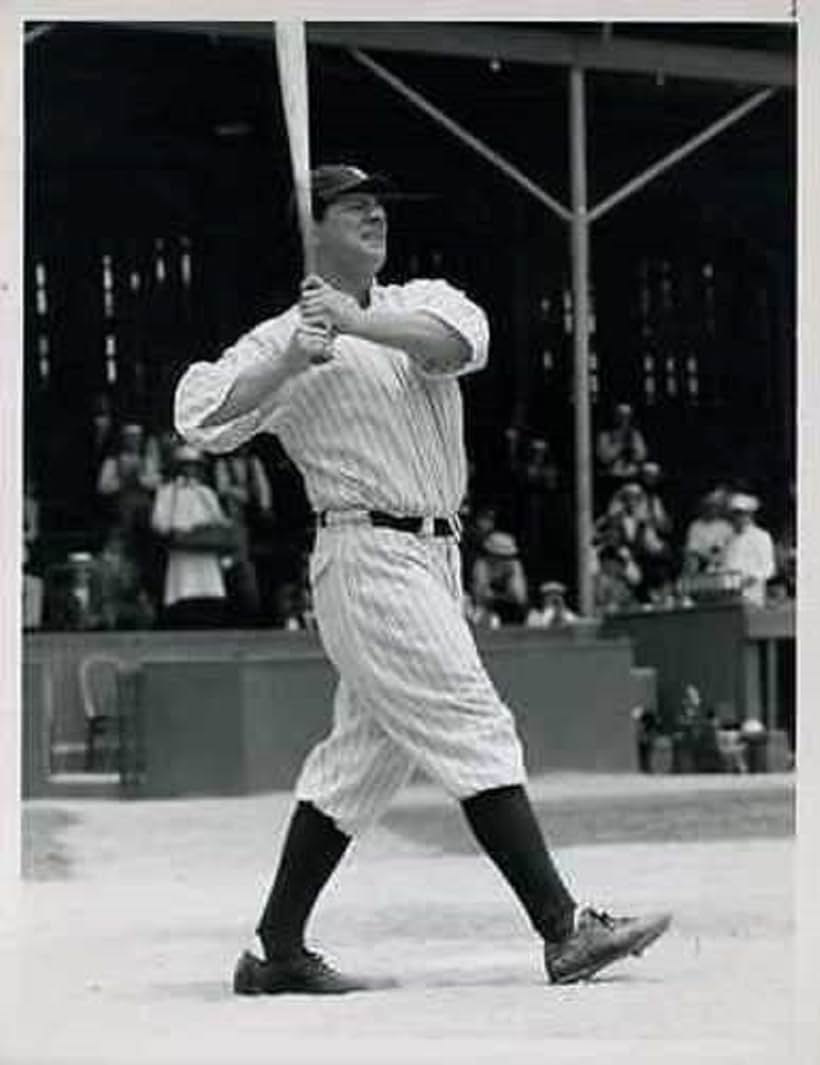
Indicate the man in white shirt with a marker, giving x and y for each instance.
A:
(750, 550)
(194, 594)
(360, 383)
(708, 534)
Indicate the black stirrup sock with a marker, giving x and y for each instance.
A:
(504, 823)
(312, 849)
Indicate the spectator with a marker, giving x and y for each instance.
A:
(656, 512)
(102, 428)
(129, 476)
(539, 490)
(499, 585)
(197, 534)
(695, 746)
(296, 600)
(128, 479)
(786, 547)
(478, 525)
(245, 494)
(615, 579)
(621, 449)
(551, 610)
(750, 550)
(631, 523)
(124, 602)
(647, 731)
(708, 534)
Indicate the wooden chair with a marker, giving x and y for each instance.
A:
(99, 674)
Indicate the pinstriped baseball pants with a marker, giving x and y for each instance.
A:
(412, 690)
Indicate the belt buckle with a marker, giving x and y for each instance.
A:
(428, 525)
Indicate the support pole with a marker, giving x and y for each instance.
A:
(580, 309)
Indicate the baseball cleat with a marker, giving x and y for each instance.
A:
(305, 973)
(598, 940)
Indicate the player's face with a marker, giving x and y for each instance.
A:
(354, 230)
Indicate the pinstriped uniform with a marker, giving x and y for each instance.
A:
(370, 431)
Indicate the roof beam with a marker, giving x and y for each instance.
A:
(526, 43)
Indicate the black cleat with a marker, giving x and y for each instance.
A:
(305, 973)
(599, 940)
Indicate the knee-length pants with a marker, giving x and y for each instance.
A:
(412, 690)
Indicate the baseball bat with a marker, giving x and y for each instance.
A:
(291, 58)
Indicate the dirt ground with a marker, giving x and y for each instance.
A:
(133, 913)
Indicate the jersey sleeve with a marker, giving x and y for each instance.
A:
(204, 386)
(450, 305)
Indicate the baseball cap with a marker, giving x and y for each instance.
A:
(187, 453)
(332, 180)
(501, 545)
(743, 503)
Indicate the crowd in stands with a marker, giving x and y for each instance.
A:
(186, 540)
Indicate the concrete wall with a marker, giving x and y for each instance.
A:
(212, 714)
(242, 725)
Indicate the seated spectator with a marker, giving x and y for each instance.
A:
(750, 550)
(245, 494)
(499, 586)
(478, 522)
(621, 448)
(651, 476)
(632, 525)
(124, 602)
(197, 534)
(615, 579)
(695, 740)
(551, 610)
(707, 535)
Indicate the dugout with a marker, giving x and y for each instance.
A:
(159, 149)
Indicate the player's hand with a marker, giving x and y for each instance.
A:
(322, 304)
(309, 346)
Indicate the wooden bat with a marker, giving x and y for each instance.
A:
(291, 57)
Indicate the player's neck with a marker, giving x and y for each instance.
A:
(347, 278)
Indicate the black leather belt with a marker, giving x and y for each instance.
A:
(403, 523)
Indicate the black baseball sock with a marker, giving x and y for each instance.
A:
(313, 848)
(503, 822)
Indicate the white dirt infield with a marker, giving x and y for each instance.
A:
(128, 958)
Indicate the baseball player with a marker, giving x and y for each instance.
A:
(360, 383)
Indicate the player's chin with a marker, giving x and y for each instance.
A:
(375, 253)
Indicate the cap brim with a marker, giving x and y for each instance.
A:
(381, 186)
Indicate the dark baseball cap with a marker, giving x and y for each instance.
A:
(332, 180)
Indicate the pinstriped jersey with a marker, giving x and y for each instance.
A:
(367, 429)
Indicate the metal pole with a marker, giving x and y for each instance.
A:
(580, 307)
